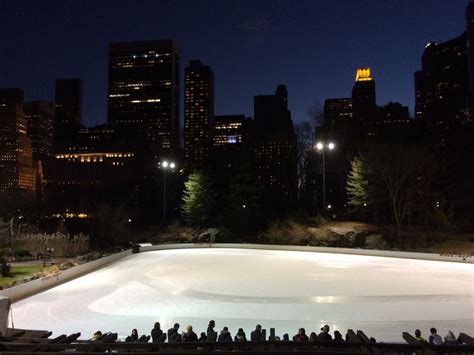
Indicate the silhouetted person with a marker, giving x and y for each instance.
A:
(173, 335)
(450, 339)
(97, 335)
(324, 335)
(240, 336)
(211, 333)
(434, 338)
(224, 336)
(338, 336)
(157, 335)
(286, 337)
(313, 337)
(132, 337)
(256, 335)
(301, 336)
(419, 338)
(203, 337)
(189, 335)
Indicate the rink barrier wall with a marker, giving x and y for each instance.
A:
(21, 291)
(366, 252)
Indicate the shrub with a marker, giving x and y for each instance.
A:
(62, 245)
(5, 267)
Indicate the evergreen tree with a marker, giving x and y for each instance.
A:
(243, 212)
(358, 185)
(199, 200)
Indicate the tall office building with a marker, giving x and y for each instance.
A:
(229, 132)
(337, 111)
(442, 88)
(143, 92)
(363, 97)
(470, 46)
(40, 117)
(16, 157)
(198, 113)
(67, 109)
(275, 148)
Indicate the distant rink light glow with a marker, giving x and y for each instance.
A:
(240, 288)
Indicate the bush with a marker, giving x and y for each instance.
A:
(62, 245)
(5, 267)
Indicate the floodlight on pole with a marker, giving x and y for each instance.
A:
(165, 164)
(321, 147)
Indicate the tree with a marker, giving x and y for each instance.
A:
(316, 114)
(304, 133)
(358, 185)
(110, 224)
(243, 213)
(397, 177)
(199, 200)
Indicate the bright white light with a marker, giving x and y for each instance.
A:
(329, 207)
(244, 206)
(129, 220)
(331, 146)
(172, 165)
(319, 146)
(165, 164)
(365, 205)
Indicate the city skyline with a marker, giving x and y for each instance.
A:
(249, 36)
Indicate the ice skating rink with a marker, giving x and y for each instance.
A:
(241, 287)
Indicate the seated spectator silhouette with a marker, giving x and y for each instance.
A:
(301, 336)
(324, 335)
(338, 336)
(189, 335)
(418, 337)
(286, 337)
(313, 337)
(132, 337)
(240, 336)
(211, 333)
(203, 338)
(450, 339)
(97, 335)
(157, 335)
(434, 338)
(256, 335)
(173, 335)
(224, 336)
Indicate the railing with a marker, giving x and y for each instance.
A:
(20, 346)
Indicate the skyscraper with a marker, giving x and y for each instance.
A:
(40, 117)
(16, 157)
(442, 88)
(470, 45)
(275, 148)
(67, 109)
(363, 97)
(144, 92)
(337, 111)
(198, 112)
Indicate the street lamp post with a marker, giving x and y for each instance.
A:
(321, 147)
(165, 165)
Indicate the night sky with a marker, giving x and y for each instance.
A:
(314, 47)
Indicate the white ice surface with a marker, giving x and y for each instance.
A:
(241, 288)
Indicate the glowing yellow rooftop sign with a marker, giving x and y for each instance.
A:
(363, 74)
